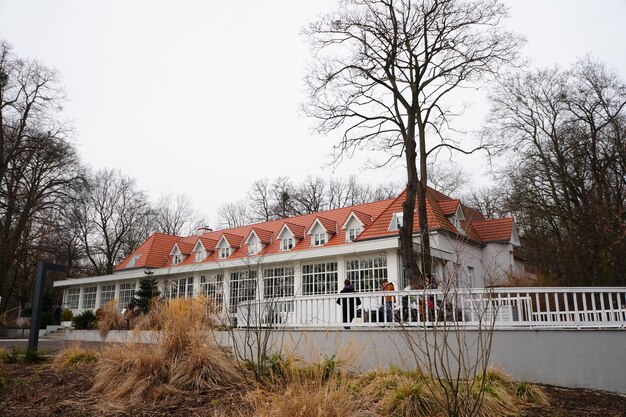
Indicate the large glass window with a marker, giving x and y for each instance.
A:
(319, 278)
(278, 282)
(180, 288)
(107, 293)
(127, 293)
(89, 297)
(72, 295)
(212, 287)
(365, 274)
(242, 288)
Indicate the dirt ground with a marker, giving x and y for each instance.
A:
(41, 389)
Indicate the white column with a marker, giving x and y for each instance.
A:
(98, 291)
(297, 278)
(341, 272)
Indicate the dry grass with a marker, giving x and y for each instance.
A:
(184, 359)
(109, 318)
(76, 356)
(331, 399)
(530, 393)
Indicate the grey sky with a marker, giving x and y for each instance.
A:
(202, 98)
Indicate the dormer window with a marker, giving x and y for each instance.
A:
(200, 255)
(286, 243)
(178, 258)
(353, 233)
(396, 221)
(253, 248)
(318, 239)
(224, 252)
(133, 261)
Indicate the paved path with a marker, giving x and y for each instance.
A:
(46, 344)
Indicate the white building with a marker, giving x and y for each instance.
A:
(309, 255)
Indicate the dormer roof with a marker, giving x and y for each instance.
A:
(362, 218)
(234, 241)
(183, 248)
(207, 244)
(263, 236)
(293, 229)
(329, 226)
(449, 207)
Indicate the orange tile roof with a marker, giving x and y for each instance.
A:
(152, 253)
(449, 206)
(366, 219)
(494, 230)
(296, 229)
(234, 240)
(376, 216)
(329, 225)
(209, 244)
(265, 236)
(185, 247)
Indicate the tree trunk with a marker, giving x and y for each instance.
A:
(411, 271)
(422, 185)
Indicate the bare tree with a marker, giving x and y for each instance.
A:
(173, 214)
(233, 215)
(260, 201)
(447, 177)
(113, 219)
(38, 164)
(490, 201)
(564, 130)
(282, 195)
(383, 70)
(310, 196)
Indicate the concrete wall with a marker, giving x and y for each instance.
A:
(571, 358)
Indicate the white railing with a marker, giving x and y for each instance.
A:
(500, 307)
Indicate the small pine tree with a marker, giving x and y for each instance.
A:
(148, 290)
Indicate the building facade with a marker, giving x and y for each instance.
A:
(309, 255)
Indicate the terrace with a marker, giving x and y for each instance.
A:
(502, 308)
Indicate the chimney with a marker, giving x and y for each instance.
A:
(202, 230)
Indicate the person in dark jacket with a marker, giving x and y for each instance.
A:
(348, 304)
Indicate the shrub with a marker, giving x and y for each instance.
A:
(67, 315)
(85, 320)
(530, 393)
(412, 397)
(75, 356)
(33, 355)
(183, 359)
(10, 357)
(110, 319)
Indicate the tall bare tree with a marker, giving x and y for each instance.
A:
(260, 201)
(175, 215)
(233, 214)
(38, 164)
(565, 130)
(383, 71)
(113, 219)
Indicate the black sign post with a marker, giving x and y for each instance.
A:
(42, 271)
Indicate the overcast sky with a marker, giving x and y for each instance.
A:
(202, 97)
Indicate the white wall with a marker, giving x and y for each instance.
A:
(571, 358)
